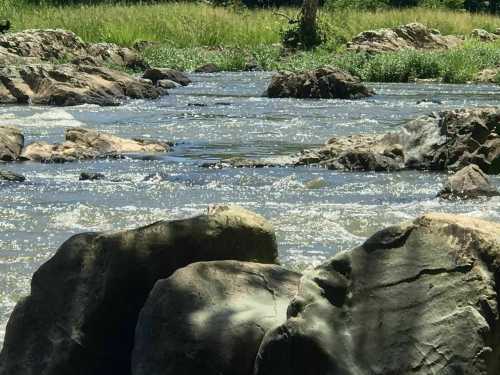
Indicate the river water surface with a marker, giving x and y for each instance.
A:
(316, 212)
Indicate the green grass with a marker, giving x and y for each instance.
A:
(191, 34)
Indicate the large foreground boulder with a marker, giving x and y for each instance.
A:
(84, 144)
(210, 318)
(327, 83)
(11, 143)
(413, 36)
(469, 182)
(82, 312)
(420, 298)
(55, 45)
(69, 84)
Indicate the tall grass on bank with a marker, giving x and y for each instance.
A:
(190, 25)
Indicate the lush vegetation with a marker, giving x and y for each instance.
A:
(189, 35)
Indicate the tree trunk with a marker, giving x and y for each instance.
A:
(308, 23)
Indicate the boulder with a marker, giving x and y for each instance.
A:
(57, 45)
(8, 176)
(418, 298)
(69, 84)
(326, 83)
(158, 74)
(11, 143)
(469, 182)
(207, 68)
(364, 161)
(84, 144)
(483, 35)
(167, 84)
(84, 304)
(210, 318)
(413, 36)
(91, 176)
(488, 76)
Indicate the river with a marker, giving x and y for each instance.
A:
(316, 212)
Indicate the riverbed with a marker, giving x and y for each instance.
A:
(316, 212)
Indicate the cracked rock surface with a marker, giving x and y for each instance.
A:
(419, 298)
(81, 314)
(209, 318)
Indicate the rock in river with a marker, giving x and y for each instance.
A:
(8, 176)
(82, 312)
(419, 298)
(11, 143)
(411, 36)
(69, 84)
(327, 83)
(469, 182)
(209, 318)
(83, 144)
(157, 75)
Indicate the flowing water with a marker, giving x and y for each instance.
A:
(316, 212)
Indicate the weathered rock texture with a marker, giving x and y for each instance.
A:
(83, 144)
(210, 318)
(411, 36)
(419, 298)
(328, 83)
(449, 140)
(469, 182)
(488, 76)
(484, 35)
(84, 304)
(11, 143)
(69, 84)
(59, 45)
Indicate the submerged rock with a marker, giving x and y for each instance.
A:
(84, 144)
(69, 84)
(412, 36)
(469, 182)
(327, 83)
(419, 298)
(11, 143)
(9, 176)
(81, 315)
(91, 176)
(158, 74)
(57, 45)
(210, 318)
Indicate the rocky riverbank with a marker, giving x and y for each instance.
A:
(55, 67)
(204, 295)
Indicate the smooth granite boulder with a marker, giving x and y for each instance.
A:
(81, 315)
(419, 298)
(210, 317)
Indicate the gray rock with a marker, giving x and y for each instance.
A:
(469, 182)
(158, 74)
(207, 68)
(167, 84)
(413, 36)
(210, 318)
(11, 143)
(327, 83)
(81, 315)
(57, 45)
(420, 298)
(364, 161)
(85, 144)
(8, 176)
(483, 35)
(69, 84)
